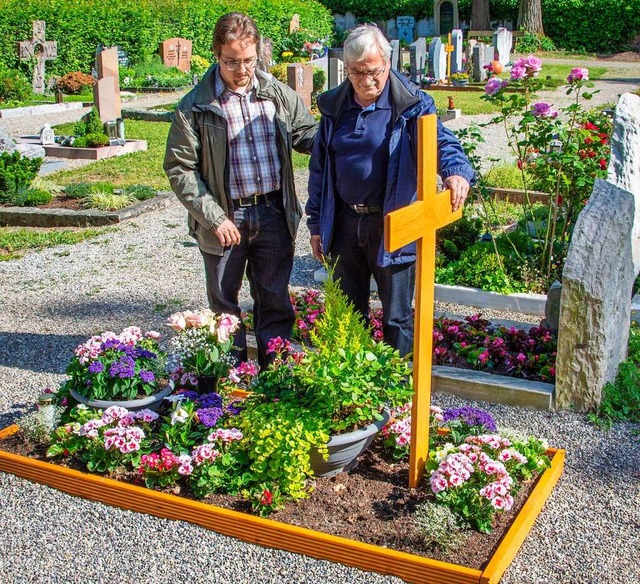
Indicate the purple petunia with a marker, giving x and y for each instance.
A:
(471, 417)
(210, 400)
(147, 376)
(209, 417)
(96, 367)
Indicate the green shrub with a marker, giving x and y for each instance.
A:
(108, 201)
(77, 190)
(96, 140)
(90, 123)
(140, 192)
(16, 173)
(532, 43)
(32, 198)
(13, 87)
(199, 65)
(453, 239)
(505, 176)
(279, 71)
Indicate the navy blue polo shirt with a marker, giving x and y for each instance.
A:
(360, 148)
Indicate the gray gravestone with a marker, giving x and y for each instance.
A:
(336, 73)
(395, 54)
(489, 54)
(47, 135)
(425, 27)
(349, 21)
(405, 26)
(456, 57)
(595, 310)
(552, 306)
(437, 60)
(502, 41)
(479, 73)
(624, 164)
(8, 144)
(417, 59)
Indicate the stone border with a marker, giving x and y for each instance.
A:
(46, 108)
(274, 534)
(56, 151)
(146, 115)
(31, 217)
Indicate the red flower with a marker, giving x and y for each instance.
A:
(590, 126)
(588, 140)
(267, 497)
(559, 200)
(583, 154)
(520, 164)
(591, 154)
(603, 164)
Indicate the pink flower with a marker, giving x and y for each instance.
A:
(578, 74)
(532, 64)
(196, 319)
(228, 324)
(543, 110)
(518, 72)
(155, 335)
(177, 322)
(494, 85)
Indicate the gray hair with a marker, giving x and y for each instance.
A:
(362, 40)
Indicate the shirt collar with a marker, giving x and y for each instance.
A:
(220, 86)
(382, 102)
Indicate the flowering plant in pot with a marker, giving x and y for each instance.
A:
(110, 367)
(460, 79)
(199, 352)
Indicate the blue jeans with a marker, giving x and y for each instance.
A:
(266, 253)
(354, 250)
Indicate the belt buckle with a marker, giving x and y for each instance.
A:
(248, 201)
(361, 209)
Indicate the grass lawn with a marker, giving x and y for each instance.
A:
(15, 241)
(45, 99)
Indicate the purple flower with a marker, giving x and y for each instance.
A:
(124, 368)
(209, 417)
(471, 417)
(578, 74)
(192, 395)
(147, 376)
(518, 72)
(532, 64)
(543, 110)
(234, 408)
(210, 400)
(96, 367)
(494, 85)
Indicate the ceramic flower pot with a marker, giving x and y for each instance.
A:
(344, 449)
(459, 82)
(151, 402)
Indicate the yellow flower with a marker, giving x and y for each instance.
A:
(287, 54)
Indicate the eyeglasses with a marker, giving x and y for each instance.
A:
(373, 74)
(235, 65)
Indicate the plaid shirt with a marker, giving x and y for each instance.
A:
(251, 134)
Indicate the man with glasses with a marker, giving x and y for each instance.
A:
(363, 166)
(228, 159)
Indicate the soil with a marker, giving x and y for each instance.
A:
(371, 503)
(630, 56)
(58, 203)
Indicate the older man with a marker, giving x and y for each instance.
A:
(228, 160)
(363, 166)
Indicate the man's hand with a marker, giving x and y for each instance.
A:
(227, 233)
(316, 248)
(459, 188)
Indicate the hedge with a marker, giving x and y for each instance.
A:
(140, 25)
(601, 26)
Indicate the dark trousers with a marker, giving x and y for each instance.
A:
(354, 250)
(266, 253)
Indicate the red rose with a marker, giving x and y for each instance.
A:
(603, 164)
(267, 497)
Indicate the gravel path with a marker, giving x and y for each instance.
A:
(138, 273)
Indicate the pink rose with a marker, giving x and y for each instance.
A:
(494, 85)
(518, 72)
(196, 319)
(155, 335)
(177, 322)
(578, 74)
(543, 110)
(227, 325)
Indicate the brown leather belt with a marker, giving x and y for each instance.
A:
(366, 209)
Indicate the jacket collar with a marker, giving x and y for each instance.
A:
(403, 95)
(205, 92)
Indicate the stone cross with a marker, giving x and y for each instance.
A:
(418, 222)
(42, 51)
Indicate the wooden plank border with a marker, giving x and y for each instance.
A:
(270, 533)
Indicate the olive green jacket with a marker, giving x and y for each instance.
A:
(196, 156)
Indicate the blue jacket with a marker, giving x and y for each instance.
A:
(408, 104)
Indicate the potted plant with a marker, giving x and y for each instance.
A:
(199, 352)
(459, 79)
(127, 370)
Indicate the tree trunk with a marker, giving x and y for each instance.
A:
(530, 16)
(480, 16)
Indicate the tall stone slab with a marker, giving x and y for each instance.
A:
(624, 164)
(336, 73)
(395, 54)
(300, 79)
(595, 306)
(106, 92)
(417, 59)
(458, 53)
(437, 60)
(479, 73)
(502, 41)
(405, 26)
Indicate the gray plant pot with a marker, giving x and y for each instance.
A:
(151, 402)
(344, 449)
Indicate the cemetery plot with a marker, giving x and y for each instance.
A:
(100, 153)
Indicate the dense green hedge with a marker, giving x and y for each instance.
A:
(591, 25)
(140, 25)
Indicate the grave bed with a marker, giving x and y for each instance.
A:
(53, 217)
(270, 533)
(57, 151)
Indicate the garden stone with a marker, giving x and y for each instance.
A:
(595, 308)
(552, 307)
(7, 143)
(624, 165)
(47, 135)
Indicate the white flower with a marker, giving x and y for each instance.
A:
(180, 416)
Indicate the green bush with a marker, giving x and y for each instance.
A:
(453, 239)
(97, 139)
(138, 26)
(140, 192)
(77, 190)
(32, 198)
(505, 176)
(13, 87)
(90, 123)
(532, 43)
(16, 173)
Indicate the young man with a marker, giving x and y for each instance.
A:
(363, 166)
(228, 160)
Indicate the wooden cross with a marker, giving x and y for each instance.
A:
(40, 49)
(418, 222)
(449, 48)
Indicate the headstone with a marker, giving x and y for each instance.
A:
(405, 26)
(392, 29)
(395, 54)
(266, 53)
(456, 58)
(294, 24)
(624, 164)
(42, 51)
(300, 79)
(446, 16)
(106, 91)
(502, 40)
(425, 27)
(417, 59)
(336, 73)
(349, 21)
(479, 72)
(552, 306)
(489, 54)
(8, 144)
(123, 57)
(595, 310)
(47, 135)
(176, 52)
(437, 60)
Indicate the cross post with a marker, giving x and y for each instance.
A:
(449, 48)
(418, 222)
